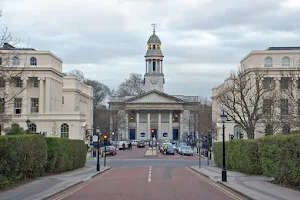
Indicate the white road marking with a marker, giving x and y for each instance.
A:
(149, 177)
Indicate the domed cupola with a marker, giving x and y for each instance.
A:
(154, 45)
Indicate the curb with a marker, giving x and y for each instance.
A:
(221, 183)
(72, 185)
(240, 193)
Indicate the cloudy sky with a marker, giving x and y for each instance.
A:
(202, 40)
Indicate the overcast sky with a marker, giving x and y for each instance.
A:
(202, 40)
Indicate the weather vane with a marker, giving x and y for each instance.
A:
(154, 25)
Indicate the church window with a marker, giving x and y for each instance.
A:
(154, 46)
(154, 66)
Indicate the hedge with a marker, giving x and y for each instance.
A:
(30, 156)
(65, 154)
(241, 155)
(275, 156)
(280, 158)
(21, 157)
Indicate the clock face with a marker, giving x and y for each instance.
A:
(153, 80)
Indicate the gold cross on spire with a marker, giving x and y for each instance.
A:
(154, 25)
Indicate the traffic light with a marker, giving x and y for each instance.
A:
(152, 132)
(105, 139)
(231, 137)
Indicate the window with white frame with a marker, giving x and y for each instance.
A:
(64, 130)
(286, 62)
(16, 60)
(18, 82)
(34, 105)
(268, 62)
(18, 105)
(34, 82)
(32, 61)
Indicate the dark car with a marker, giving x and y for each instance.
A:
(140, 144)
(170, 150)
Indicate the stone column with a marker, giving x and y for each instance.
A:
(48, 95)
(181, 124)
(25, 103)
(170, 123)
(137, 131)
(126, 125)
(148, 125)
(41, 98)
(159, 132)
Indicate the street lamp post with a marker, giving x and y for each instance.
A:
(28, 125)
(224, 173)
(98, 133)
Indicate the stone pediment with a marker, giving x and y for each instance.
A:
(154, 97)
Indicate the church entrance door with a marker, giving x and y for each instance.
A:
(132, 134)
(175, 134)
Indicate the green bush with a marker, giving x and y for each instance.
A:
(280, 158)
(241, 155)
(21, 157)
(65, 154)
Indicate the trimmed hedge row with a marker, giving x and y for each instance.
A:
(275, 156)
(30, 156)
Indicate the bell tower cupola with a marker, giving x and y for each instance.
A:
(154, 77)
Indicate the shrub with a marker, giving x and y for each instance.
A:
(241, 155)
(21, 157)
(65, 154)
(280, 158)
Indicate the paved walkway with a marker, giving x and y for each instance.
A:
(45, 187)
(254, 187)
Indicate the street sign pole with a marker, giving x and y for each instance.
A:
(199, 157)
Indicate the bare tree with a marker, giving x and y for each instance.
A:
(102, 115)
(117, 122)
(133, 86)
(13, 72)
(77, 74)
(244, 99)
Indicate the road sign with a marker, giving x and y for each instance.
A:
(199, 143)
(95, 138)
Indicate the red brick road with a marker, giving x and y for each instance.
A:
(133, 183)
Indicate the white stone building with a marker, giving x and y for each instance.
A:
(281, 66)
(154, 109)
(55, 104)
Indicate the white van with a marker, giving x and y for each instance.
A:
(134, 142)
(121, 144)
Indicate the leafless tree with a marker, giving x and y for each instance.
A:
(244, 96)
(77, 74)
(117, 122)
(102, 116)
(133, 86)
(13, 70)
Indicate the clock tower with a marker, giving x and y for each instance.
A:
(154, 77)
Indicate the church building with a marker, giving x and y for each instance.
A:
(168, 115)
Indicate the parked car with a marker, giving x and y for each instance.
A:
(187, 150)
(170, 149)
(121, 144)
(110, 150)
(140, 144)
(134, 142)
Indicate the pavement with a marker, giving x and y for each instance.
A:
(253, 187)
(147, 183)
(45, 187)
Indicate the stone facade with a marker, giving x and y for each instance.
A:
(62, 103)
(154, 109)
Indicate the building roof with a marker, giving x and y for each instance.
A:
(7, 46)
(154, 38)
(283, 48)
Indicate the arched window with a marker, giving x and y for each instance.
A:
(33, 61)
(286, 62)
(16, 60)
(269, 129)
(32, 128)
(64, 130)
(154, 46)
(268, 62)
(286, 129)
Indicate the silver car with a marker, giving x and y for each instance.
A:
(187, 150)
